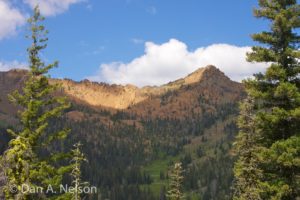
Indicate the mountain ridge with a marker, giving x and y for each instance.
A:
(123, 96)
(130, 131)
(182, 94)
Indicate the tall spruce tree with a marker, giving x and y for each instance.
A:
(246, 171)
(269, 151)
(23, 162)
(176, 178)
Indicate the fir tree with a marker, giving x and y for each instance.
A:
(176, 179)
(23, 162)
(273, 142)
(78, 159)
(246, 171)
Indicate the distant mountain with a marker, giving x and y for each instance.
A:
(132, 135)
(173, 100)
(123, 97)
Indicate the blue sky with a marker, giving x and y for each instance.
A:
(87, 35)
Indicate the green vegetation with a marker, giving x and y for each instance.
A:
(176, 179)
(269, 141)
(126, 162)
(77, 160)
(158, 171)
(23, 162)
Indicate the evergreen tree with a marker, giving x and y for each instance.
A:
(78, 158)
(24, 164)
(245, 169)
(175, 191)
(271, 148)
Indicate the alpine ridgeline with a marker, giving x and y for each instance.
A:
(133, 136)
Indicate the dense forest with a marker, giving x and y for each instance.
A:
(127, 162)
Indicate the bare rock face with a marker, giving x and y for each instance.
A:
(101, 94)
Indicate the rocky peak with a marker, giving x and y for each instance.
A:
(207, 73)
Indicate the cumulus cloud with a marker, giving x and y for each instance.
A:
(52, 7)
(10, 19)
(172, 60)
(6, 66)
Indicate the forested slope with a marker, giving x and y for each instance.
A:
(131, 135)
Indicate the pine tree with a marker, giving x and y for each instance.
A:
(23, 162)
(273, 142)
(78, 159)
(176, 179)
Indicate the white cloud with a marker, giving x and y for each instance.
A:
(52, 7)
(172, 60)
(6, 66)
(10, 19)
